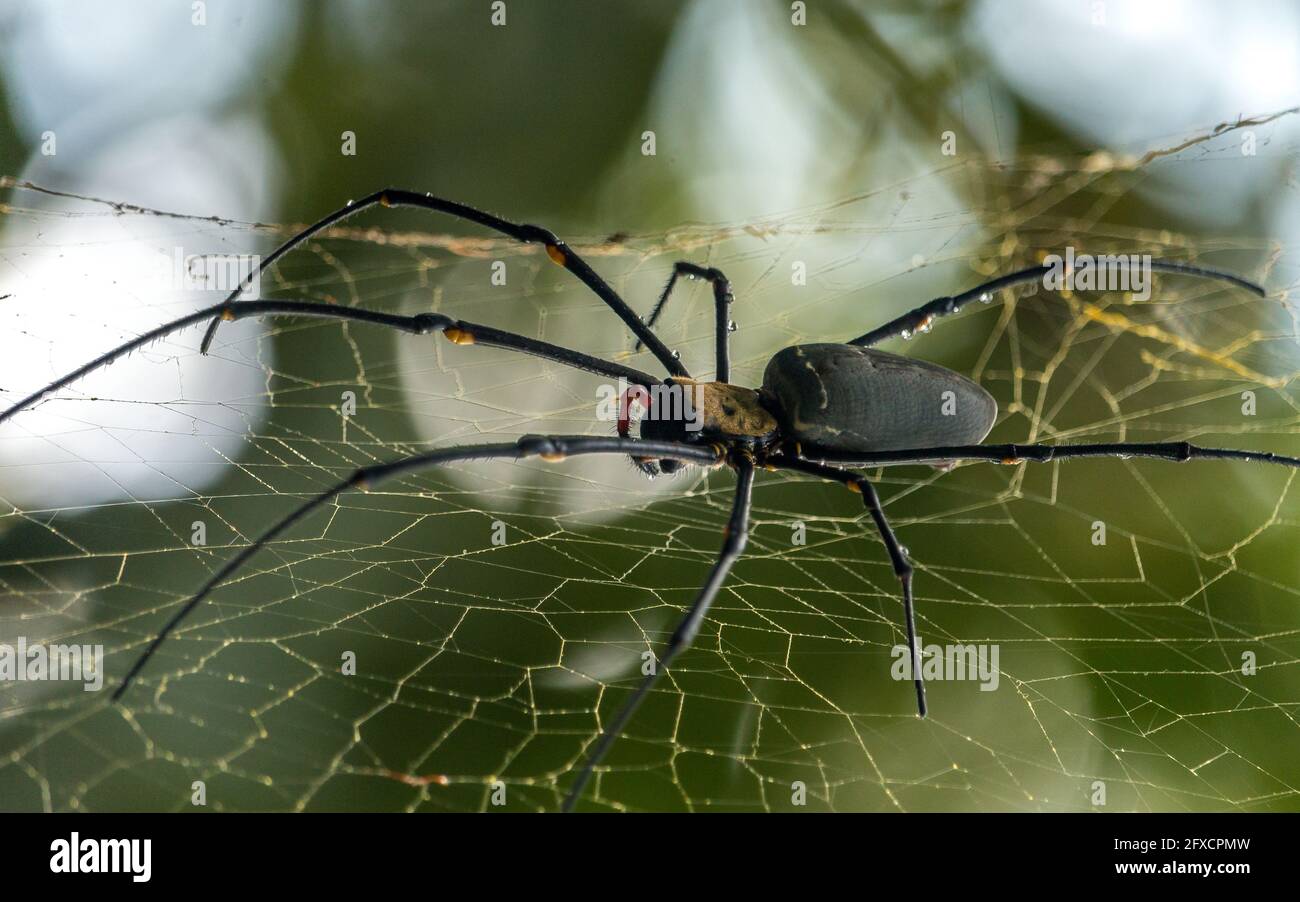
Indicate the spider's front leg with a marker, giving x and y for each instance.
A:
(458, 331)
(552, 448)
(722, 298)
(559, 252)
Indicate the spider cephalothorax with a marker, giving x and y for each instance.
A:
(683, 410)
(822, 410)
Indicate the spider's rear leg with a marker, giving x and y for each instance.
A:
(923, 317)
(897, 553)
(737, 534)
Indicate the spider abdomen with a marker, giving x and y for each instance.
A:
(850, 398)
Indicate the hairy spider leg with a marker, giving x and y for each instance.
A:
(556, 249)
(919, 319)
(733, 544)
(722, 298)
(549, 448)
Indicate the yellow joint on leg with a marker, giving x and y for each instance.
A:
(1011, 460)
(553, 251)
(228, 315)
(384, 201)
(552, 457)
(855, 487)
(459, 336)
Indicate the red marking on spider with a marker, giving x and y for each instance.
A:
(636, 393)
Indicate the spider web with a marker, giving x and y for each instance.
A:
(482, 664)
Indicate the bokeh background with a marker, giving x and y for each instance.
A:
(892, 152)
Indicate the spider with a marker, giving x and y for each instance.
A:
(822, 410)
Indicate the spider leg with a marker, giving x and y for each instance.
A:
(722, 299)
(1014, 454)
(919, 319)
(556, 249)
(549, 448)
(897, 554)
(737, 535)
(1005, 453)
(457, 331)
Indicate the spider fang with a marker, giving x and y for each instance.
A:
(459, 336)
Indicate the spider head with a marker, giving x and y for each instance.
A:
(672, 413)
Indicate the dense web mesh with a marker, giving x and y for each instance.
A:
(480, 663)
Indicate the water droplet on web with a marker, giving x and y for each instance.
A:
(349, 203)
(907, 334)
(677, 355)
(731, 325)
(907, 552)
(986, 298)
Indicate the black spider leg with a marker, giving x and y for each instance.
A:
(1014, 454)
(919, 319)
(897, 554)
(737, 535)
(549, 448)
(722, 298)
(419, 324)
(556, 249)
